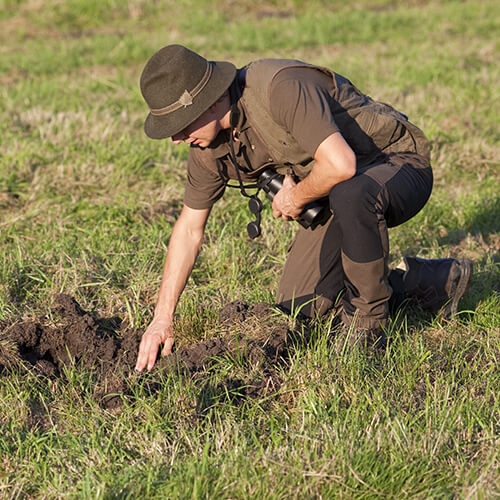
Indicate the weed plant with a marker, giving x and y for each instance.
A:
(87, 205)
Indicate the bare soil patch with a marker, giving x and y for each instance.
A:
(108, 348)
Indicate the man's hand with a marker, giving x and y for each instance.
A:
(284, 205)
(183, 249)
(158, 333)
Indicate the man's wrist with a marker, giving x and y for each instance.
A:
(160, 317)
(296, 197)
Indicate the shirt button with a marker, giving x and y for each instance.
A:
(252, 146)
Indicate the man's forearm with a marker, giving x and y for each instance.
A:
(181, 256)
(183, 249)
(315, 186)
(335, 163)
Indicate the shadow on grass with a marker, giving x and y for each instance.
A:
(483, 219)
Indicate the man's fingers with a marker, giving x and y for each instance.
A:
(167, 347)
(142, 356)
(283, 205)
(288, 181)
(153, 353)
(148, 351)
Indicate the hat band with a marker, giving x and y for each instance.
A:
(187, 97)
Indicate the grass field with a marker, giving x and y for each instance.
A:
(87, 205)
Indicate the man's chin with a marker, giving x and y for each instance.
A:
(201, 145)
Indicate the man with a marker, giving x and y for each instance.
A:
(334, 143)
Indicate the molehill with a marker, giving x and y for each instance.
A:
(108, 348)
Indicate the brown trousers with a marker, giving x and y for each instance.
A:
(345, 261)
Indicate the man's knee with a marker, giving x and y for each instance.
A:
(353, 196)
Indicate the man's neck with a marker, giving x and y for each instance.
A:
(225, 121)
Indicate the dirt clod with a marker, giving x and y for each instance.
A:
(232, 312)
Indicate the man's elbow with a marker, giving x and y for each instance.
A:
(191, 225)
(190, 237)
(350, 165)
(345, 167)
(338, 158)
(195, 237)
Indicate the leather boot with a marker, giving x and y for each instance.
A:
(436, 285)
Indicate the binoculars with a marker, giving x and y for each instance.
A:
(271, 182)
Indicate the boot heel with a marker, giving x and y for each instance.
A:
(465, 266)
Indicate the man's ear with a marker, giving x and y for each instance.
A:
(221, 100)
(221, 105)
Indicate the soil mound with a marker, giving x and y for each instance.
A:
(108, 347)
(79, 339)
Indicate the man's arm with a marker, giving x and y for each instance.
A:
(335, 162)
(183, 249)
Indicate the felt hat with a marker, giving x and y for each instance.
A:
(179, 86)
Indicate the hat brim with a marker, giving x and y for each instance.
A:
(161, 127)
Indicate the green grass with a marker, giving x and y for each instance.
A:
(87, 205)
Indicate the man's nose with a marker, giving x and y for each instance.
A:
(178, 138)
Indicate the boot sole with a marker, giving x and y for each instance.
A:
(465, 266)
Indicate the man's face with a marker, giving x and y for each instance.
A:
(201, 132)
